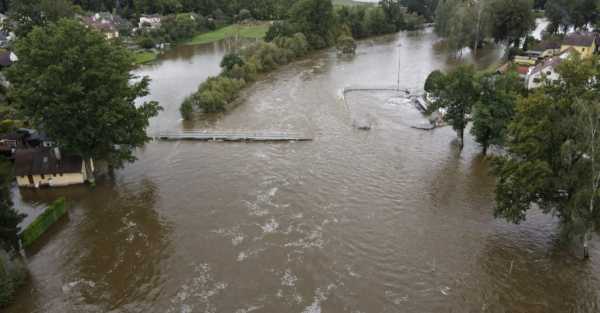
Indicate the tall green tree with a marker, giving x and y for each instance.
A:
(495, 108)
(553, 152)
(77, 86)
(511, 20)
(315, 19)
(26, 14)
(456, 92)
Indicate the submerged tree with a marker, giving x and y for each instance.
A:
(76, 86)
(456, 92)
(495, 108)
(553, 150)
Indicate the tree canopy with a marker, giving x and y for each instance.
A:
(552, 151)
(456, 92)
(73, 84)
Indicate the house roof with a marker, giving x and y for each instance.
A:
(523, 70)
(552, 62)
(547, 45)
(580, 39)
(45, 161)
(5, 59)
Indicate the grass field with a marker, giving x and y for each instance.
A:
(142, 57)
(246, 31)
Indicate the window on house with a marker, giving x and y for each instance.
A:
(548, 73)
(537, 80)
(43, 176)
(60, 174)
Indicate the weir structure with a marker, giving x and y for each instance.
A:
(232, 136)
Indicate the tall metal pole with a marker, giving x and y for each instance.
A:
(399, 57)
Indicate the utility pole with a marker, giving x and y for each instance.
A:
(399, 57)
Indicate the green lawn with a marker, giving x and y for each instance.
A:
(142, 57)
(245, 31)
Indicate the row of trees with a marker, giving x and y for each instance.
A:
(564, 14)
(470, 23)
(550, 138)
(486, 99)
(238, 69)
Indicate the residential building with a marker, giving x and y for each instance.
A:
(546, 71)
(47, 167)
(584, 43)
(152, 21)
(105, 23)
(527, 58)
(547, 48)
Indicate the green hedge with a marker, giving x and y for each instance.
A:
(52, 214)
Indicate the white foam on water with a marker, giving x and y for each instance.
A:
(248, 309)
(289, 279)
(270, 227)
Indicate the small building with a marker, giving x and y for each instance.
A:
(548, 48)
(152, 21)
(104, 23)
(527, 58)
(583, 43)
(546, 71)
(46, 167)
(9, 142)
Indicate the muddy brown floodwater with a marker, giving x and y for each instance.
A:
(390, 220)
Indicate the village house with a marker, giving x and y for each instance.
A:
(105, 23)
(546, 70)
(47, 167)
(584, 43)
(547, 48)
(152, 21)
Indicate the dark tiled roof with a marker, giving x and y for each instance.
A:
(5, 58)
(547, 45)
(580, 39)
(44, 161)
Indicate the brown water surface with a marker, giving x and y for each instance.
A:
(390, 220)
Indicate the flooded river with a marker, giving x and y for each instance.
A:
(388, 220)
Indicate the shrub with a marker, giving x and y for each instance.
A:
(346, 45)
(244, 15)
(187, 107)
(52, 214)
(279, 29)
(146, 42)
(230, 60)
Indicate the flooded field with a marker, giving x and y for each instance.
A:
(388, 220)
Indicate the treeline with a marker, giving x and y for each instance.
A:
(579, 14)
(470, 23)
(312, 24)
(549, 138)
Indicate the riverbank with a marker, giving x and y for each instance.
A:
(143, 57)
(249, 31)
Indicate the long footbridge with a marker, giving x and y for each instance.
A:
(232, 136)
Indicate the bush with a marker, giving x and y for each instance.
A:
(146, 42)
(214, 94)
(346, 45)
(187, 107)
(37, 228)
(230, 60)
(279, 29)
(244, 15)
